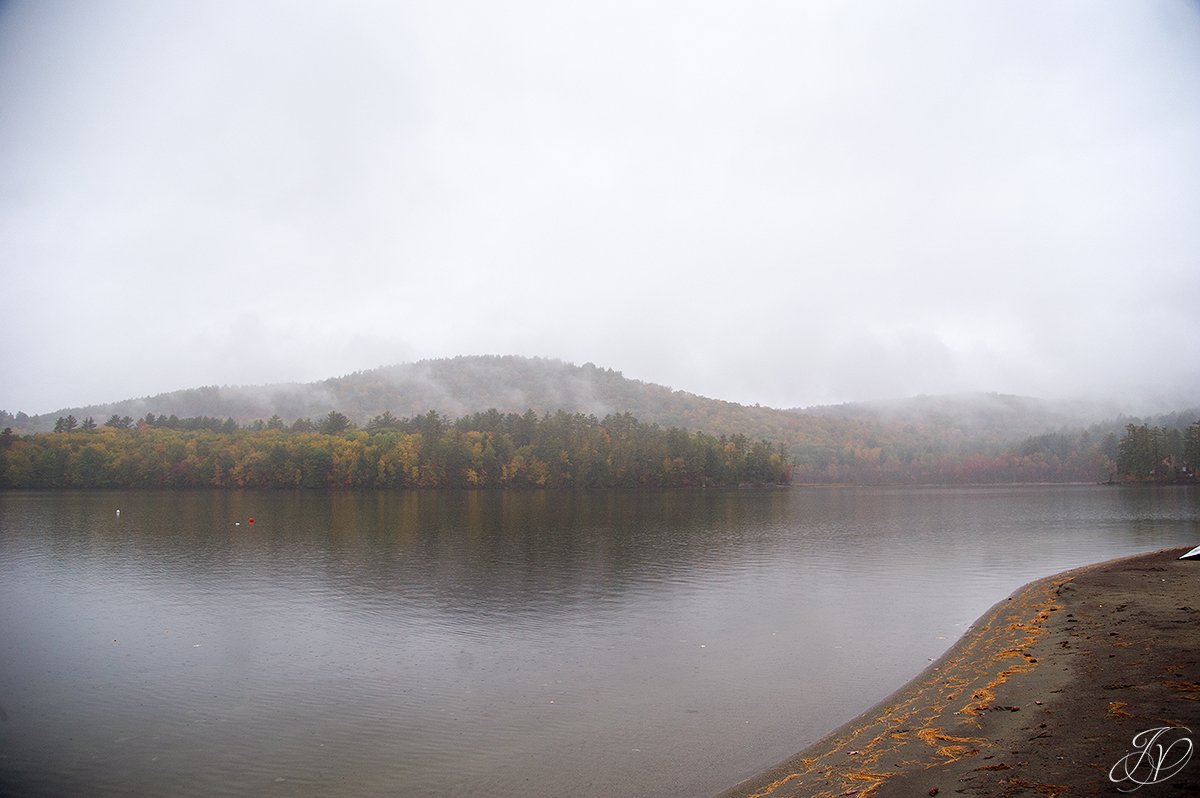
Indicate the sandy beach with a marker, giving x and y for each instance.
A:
(1044, 696)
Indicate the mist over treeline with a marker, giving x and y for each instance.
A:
(977, 438)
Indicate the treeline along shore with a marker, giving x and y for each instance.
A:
(483, 450)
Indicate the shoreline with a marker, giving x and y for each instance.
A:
(1041, 696)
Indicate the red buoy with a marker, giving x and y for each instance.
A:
(250, 520)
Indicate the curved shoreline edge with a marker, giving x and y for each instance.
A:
(1041, 696)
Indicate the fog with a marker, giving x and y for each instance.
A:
(781, 203)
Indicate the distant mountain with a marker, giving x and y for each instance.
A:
(928, 438)
(453, 387)
(970, 419)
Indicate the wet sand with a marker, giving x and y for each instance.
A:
(1042, 697)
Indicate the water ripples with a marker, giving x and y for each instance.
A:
(499, 644)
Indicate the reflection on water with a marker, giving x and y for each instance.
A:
(498, 643)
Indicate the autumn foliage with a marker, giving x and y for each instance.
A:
(485, 450)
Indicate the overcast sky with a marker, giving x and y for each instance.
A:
(789, 203)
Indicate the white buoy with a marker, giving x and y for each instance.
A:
(118, 513)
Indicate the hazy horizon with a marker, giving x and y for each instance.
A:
(791, 205)
(1081, 411)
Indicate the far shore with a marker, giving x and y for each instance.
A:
(1042, 697)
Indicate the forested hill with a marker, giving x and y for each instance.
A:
(975, 438)
(453, 387)
(462, 385)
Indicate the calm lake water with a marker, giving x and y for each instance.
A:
(498, 644)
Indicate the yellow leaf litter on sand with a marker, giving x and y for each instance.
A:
(773, 786)
(1048, 790)
(950, 682)
(985, 695)
(962, 746)
(1190, 690)
(868, 776)
(875, 778)
(1117, 709)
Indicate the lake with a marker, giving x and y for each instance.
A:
(501, 644)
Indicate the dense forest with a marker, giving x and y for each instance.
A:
(970, 439)
(1111, 451)
(482, 450)
(1159, 454)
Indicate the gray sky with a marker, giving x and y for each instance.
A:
(776, 202)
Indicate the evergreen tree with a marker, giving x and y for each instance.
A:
(1191, 445)
(334, 423)
(383, 422)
